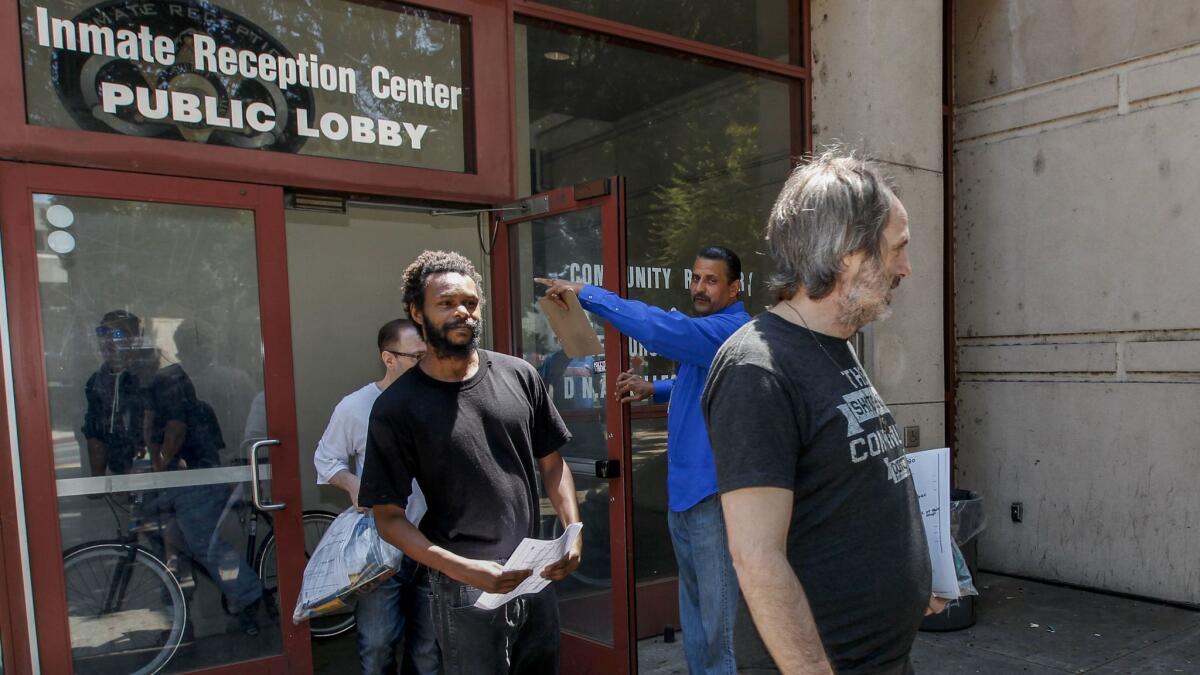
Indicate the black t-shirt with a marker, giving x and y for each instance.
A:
(171, 396)
(471, 447)
(115, 408)
(783, 412)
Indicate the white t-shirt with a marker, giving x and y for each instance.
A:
(346, 438)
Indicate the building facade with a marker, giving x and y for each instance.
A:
(225, 194)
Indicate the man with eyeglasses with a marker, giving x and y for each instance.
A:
(400, 605)
(115, 400)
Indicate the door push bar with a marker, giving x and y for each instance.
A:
(255, 489)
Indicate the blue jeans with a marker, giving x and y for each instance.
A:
(519, 638)
(708, 587)
(399, 606)
(198, 511)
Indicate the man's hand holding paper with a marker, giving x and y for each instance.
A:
(549, 560)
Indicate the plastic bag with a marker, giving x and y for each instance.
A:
(966, 515)
(966, 522)
(350, 559)
(966, 585)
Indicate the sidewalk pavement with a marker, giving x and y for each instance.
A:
(1022, 627)
(1035, 628)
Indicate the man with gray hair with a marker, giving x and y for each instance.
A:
(822, 516)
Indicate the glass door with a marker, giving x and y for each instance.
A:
(576, 234)
(156, 421)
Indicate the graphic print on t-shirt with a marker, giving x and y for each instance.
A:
(863, 405)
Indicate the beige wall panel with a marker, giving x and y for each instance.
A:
(1043, 106)
(929, 418)
(1162, 79)
(1080, 229)
(1106, 472)
(345, 282)
(878, 78)
(1058, 358)
(1181, 356)
(1005, 45)
(907, 360)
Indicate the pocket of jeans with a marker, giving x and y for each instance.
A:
(460, 596)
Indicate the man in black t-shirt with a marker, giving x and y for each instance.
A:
(823, 522)
(472, 427)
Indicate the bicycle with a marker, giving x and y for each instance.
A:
(128, 600)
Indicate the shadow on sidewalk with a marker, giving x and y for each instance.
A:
(1022, 627)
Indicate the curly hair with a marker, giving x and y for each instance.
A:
(429, 263)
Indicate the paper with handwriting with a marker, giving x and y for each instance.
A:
(931, 478)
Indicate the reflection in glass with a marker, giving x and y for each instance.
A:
(654, 558)
(759, 27)
(564, 246)
(704, 149)
(559, 247)
(369, 81)
(153, 355)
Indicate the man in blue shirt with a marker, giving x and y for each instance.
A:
(695, 521)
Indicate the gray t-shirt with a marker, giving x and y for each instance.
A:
(783, 412)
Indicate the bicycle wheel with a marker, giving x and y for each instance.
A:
(315, 524)
(126, 613)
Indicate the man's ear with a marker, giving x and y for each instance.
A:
(418, 318)
(737, 287)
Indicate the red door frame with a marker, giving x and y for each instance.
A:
(14, 625)
(580, 655)
(18, 182)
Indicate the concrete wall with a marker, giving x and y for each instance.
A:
(344, 275)
(1076, 161)
(878, 86)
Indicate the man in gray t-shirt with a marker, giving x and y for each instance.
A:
(823, 522)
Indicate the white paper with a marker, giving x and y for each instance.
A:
(931, 478)
(532, 554)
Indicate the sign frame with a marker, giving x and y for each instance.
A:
(490, 134)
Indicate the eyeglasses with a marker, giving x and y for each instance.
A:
(110, 332)
(416, 356)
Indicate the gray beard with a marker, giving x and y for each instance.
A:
(858, 308)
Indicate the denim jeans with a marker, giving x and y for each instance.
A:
(399, 606)
(519, 638)
(198, 511)
(708, 587)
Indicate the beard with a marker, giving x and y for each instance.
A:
(869, 298)
(438, 339)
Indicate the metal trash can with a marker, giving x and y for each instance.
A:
(966, 522)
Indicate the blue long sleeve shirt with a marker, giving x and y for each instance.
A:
(693, 343)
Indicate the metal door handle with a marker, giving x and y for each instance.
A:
(255, 491)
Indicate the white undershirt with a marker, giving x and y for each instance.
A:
(346, 438)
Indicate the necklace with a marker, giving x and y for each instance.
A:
(887, 427)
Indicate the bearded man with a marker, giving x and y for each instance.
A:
(822, 517)
(471, 427)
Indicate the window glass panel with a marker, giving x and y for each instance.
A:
(373, 82)
(704, 150)
(654, 559)
(758, 27)
(154, 365)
